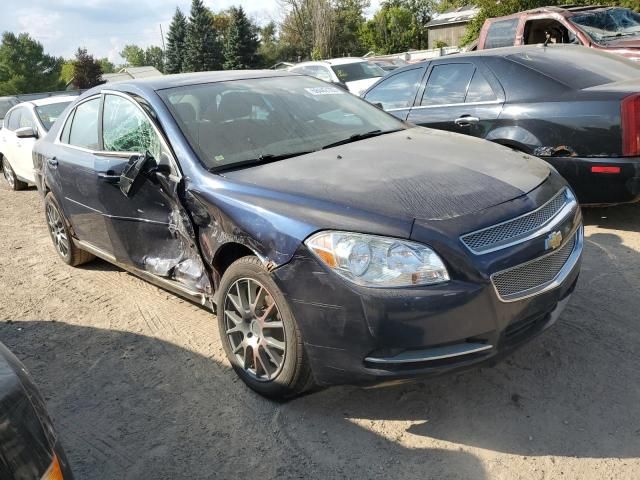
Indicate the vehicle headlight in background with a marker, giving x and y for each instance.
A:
(374, 261)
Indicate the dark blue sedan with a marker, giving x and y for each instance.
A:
(336, 243)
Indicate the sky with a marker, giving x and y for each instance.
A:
(104, 27)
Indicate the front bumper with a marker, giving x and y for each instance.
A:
(357, 335)
(600, 188)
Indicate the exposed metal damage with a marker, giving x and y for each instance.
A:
(179, 258)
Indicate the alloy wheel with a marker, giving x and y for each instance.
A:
(8, 174)
(254, 328)
(57, 230)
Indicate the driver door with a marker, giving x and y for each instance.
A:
(148, 230)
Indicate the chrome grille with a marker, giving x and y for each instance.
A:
(519, 281)
(486, 239)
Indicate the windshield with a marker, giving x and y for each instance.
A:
(352, 72)
(608, 24)
(48, 114)
(230, 123)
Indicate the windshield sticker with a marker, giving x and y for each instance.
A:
(324, 91)
(219, 158)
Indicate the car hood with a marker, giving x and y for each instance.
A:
(359, 86)
(416, 173)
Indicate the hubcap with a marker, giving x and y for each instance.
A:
(254, 328)
(8, 174)
(57, 230)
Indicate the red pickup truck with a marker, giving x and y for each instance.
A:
(612, 29)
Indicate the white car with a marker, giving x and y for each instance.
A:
(354, 73)
(23, 125)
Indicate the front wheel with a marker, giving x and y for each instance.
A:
(259, 333)
(10, 176)
(60, 235)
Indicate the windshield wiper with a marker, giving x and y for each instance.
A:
(619, 34)
(360, 136)
(260, 160)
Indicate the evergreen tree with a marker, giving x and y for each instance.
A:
(241, 46)
(87, 71)
(203, 50)
(176, 43)
(25, 68)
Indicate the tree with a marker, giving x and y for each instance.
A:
(269, 51)
(241, 45)
(133, 55)
(349, 19)
(422, 11)
(66, 74)
(202, 46)
(154, 57)
(106, 65)
(309, 25)
(176, 43)
(87, 71)
(25, 68)
(391, 30)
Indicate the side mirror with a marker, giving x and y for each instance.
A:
(133, 175)
(26, 132)
(378, 105)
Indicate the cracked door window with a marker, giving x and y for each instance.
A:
(126, 129)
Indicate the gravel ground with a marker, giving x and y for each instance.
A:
(138, 386)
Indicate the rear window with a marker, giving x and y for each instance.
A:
(578, 67)
(48, 114)
(352, 72)
(502, 33)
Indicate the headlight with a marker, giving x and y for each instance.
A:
(374, 261)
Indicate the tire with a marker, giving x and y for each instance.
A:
(61, 236)
(275, 372)
(10, 176)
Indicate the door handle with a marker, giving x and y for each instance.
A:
(109, 177)
(466, 120)
(53, 162)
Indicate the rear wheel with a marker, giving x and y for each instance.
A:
(259, 333)
(60, 235)
(10, 176)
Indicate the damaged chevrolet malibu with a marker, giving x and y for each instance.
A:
(335, 243)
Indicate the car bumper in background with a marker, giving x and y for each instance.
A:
(356, 335)
(601, 180)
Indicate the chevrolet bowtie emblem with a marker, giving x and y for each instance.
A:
(553, 241)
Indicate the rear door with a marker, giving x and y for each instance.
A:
(396, 94)
(73, 176)
(461, 97)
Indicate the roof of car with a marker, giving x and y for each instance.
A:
(51, 100)
(507, 51)
(182, 79)
(565, 10)
(333, 61)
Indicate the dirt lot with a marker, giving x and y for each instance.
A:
(138, 385)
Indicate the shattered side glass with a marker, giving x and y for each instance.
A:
(127, 129)
(608, 24)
